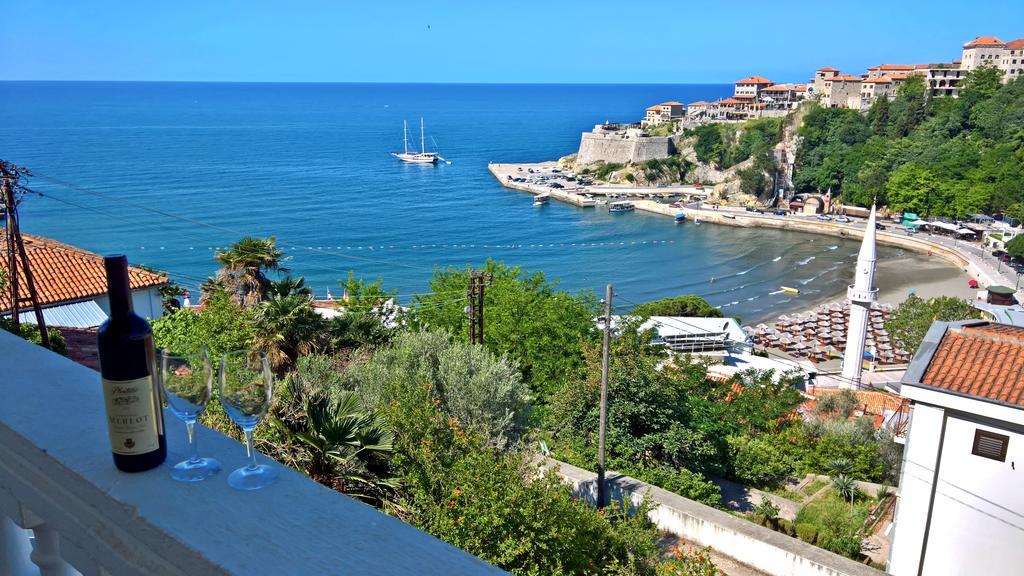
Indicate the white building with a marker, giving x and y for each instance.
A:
(961, 502)
(664, 113)
(991, 51)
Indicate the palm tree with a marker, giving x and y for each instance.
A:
(846, 487)
(288, 285)
(345, 442)
(244, 266)
(287, 327)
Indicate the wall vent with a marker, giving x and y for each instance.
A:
(990, 445)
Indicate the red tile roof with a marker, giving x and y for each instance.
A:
(984, 41)
(827, 69)
(699, 103)
(981, 360)
(64, 273)
(882, 80)
(733, 101)
(897, 76)
(1017, 44)
(754, 80)
(779, 88)
(843, 78)
(891, 67)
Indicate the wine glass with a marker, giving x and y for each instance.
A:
(246, 388)
(187, 384)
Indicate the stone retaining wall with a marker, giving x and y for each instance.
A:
(620, 150)
(756, 546)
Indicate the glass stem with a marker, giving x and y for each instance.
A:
(193, 444)
(250, 449)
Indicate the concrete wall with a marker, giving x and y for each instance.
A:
(965, 519)
(615, 148)
(767, 550)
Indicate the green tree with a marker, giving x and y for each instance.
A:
(31, 333)
(912, 188)
(909, 107)
(287, 326)
(878, 116)
(760, 461)
(685, 305)
(1015, 247)
(483, 392)
(244, 266)
(754, 182)
(529, 319)
(220, 325)
(910, 321)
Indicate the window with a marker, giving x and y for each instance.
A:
(990, 445)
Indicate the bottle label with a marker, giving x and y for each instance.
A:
(130, 420)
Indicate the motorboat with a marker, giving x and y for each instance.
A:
(621, 207)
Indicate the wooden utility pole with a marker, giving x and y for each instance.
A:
(9, 175)
(477, 282)
(602, 490)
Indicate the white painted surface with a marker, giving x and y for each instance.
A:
(862, 294)
(977, 503)
(767, 550)
(56, 468)
(146, 302)
(919, 456)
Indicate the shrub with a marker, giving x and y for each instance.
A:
(759, 461)
(31, 333)
(220, 325)
(686, 483)
(787, 527)
(766, 512)
(685, 305)
(482, 392)
(807, 532)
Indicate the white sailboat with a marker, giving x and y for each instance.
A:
(421, 157)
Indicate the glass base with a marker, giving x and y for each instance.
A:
(201, 469)
(246, 478)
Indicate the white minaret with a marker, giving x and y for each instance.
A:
(861, 296)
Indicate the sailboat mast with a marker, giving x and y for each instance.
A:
(423, 138)
(405, 135)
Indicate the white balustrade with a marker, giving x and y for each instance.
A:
(66, 510)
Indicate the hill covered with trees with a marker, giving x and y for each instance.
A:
(937, 156)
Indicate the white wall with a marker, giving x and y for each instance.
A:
(919, 456)
(977, 522)
(977, 517)
(146, 301)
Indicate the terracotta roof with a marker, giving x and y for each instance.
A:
(843, 78)
(743, 97)
(699, 103)
(733, 101)
(779, 88)
(891, 67)
(871, 403)
(983, 360)
(1017, 44)
(985, 41)
(800, 87)
(897, 76)
(754, 80)
(658, 106)
(64, 273)
(827, 69)
(882, 80)
(922, 66)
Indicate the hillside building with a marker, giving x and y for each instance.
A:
(960, 505)
(664, 113)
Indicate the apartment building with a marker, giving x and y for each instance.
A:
(991, 51)
(664, 113)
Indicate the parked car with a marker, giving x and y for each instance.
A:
(824, 217)
(843, 219)
(998, 253)
(910, 230)
(780, 212)
(1005, 257)
(754, 210)
(879, 226)
(556, 185)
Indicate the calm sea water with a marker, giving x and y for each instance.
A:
(167, 172)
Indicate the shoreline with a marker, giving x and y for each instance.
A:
(936, 270)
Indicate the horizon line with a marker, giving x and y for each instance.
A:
(463, 83)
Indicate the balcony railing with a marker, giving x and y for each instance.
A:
(65, 509)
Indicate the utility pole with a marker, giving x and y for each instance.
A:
(602, 490)
(9, 175)
(477, 282)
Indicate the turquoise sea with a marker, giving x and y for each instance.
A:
(167, 172)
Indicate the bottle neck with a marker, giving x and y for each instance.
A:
(118, 290)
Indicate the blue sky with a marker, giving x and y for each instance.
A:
(482, 40)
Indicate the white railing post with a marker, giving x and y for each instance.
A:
(46, 552)
(14, 549)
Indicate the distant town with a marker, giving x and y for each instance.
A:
(759, 97)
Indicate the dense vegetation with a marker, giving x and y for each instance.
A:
(931, 156)
(725, 145)
(910, 321)
(685, 305)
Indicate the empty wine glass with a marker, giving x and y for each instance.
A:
(187, 384)
(246, 388)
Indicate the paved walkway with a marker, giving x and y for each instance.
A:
(740, 498)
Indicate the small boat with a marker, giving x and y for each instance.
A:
(414, 157)
(621, 207)
(587, 201)
(696, 221)
(790, 290)
(680, 218)
(541, 199)
(729, 216)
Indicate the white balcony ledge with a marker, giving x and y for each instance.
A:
(57, 478)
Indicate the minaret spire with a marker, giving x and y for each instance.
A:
(862, 294)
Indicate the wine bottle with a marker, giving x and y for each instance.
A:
(128, 369)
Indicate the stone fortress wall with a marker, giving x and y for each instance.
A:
(611, 143)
